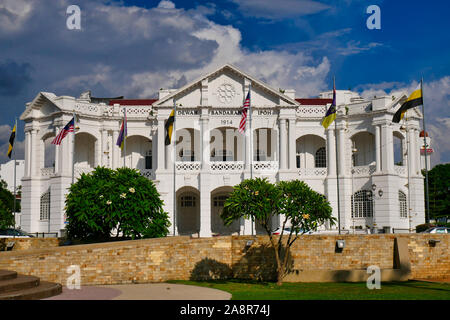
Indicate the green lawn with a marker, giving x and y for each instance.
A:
(251, 290)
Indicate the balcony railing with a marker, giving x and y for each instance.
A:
(364, 171)
(227, 166)
(185, 166)
(265, 166)
(47, 172)
(148, 173)
(312, 172)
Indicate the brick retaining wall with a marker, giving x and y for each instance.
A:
(158, 260)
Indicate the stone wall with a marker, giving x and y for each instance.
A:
(28, 243)
(158, 260)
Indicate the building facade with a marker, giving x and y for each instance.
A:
(377, 161)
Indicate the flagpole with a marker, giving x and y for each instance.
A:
(337, 163)
(73, 148)
(174, 166)
(124, 138)
(15, 164)
(426, 155)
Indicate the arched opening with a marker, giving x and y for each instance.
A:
(399, 149)
(226, 144)
(311, 152)
(188, 211)
(139, 153)
(402, 204)
(218, 198)
(188, 145)
(363, 149)
(85, 150)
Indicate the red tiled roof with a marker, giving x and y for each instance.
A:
(313, 101)
(133, 102)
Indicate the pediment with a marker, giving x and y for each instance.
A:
(227, 87)
(42, 105)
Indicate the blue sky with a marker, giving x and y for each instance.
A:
(133, 48)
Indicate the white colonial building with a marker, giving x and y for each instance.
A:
(378, 161)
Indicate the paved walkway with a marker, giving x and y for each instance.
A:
(150, 291)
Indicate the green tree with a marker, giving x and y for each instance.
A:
(439, 189)
(260, 200)
(6, 206)
(120, 201)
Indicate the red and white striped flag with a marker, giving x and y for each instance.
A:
(244, 113)
(68, 128)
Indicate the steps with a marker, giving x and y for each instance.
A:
(15, 286)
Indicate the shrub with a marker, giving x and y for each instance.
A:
(120, 201)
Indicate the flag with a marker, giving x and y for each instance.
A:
(68, 128)
(11, 140)
(244, 113)
(414, 100)
(123, 131)
(330, 116)
(169, 127)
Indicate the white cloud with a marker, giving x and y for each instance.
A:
(13, 13)
(166, 5)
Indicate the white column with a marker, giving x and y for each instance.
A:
(115, 150)
(283, 144)
(248, 151)
(33, 153)
(341, 146)
(104, 156)
(57, 159)
(388, 149)
(331, 153)
(292, 149)
(27, 153)
(378, 148)
(161, 154)
(412, 152)
(205, 139)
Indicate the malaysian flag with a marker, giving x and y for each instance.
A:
(68, 128)
(244, 113)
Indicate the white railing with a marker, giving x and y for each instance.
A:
(400, 170)
(47, 172)
(312, 172)
(185, 166)
(364, 171)
(148, 173)
(265, 166)
(226, 166)
(311, 111)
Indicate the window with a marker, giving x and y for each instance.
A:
(321, 158)
(148, 159)
(45, 206)
(188, 201)
(219, 201)
(402, 203)
(362, 204)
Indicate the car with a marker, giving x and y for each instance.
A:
(11, 233)
(440, 230)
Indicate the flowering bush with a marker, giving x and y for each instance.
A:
(117, 203)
